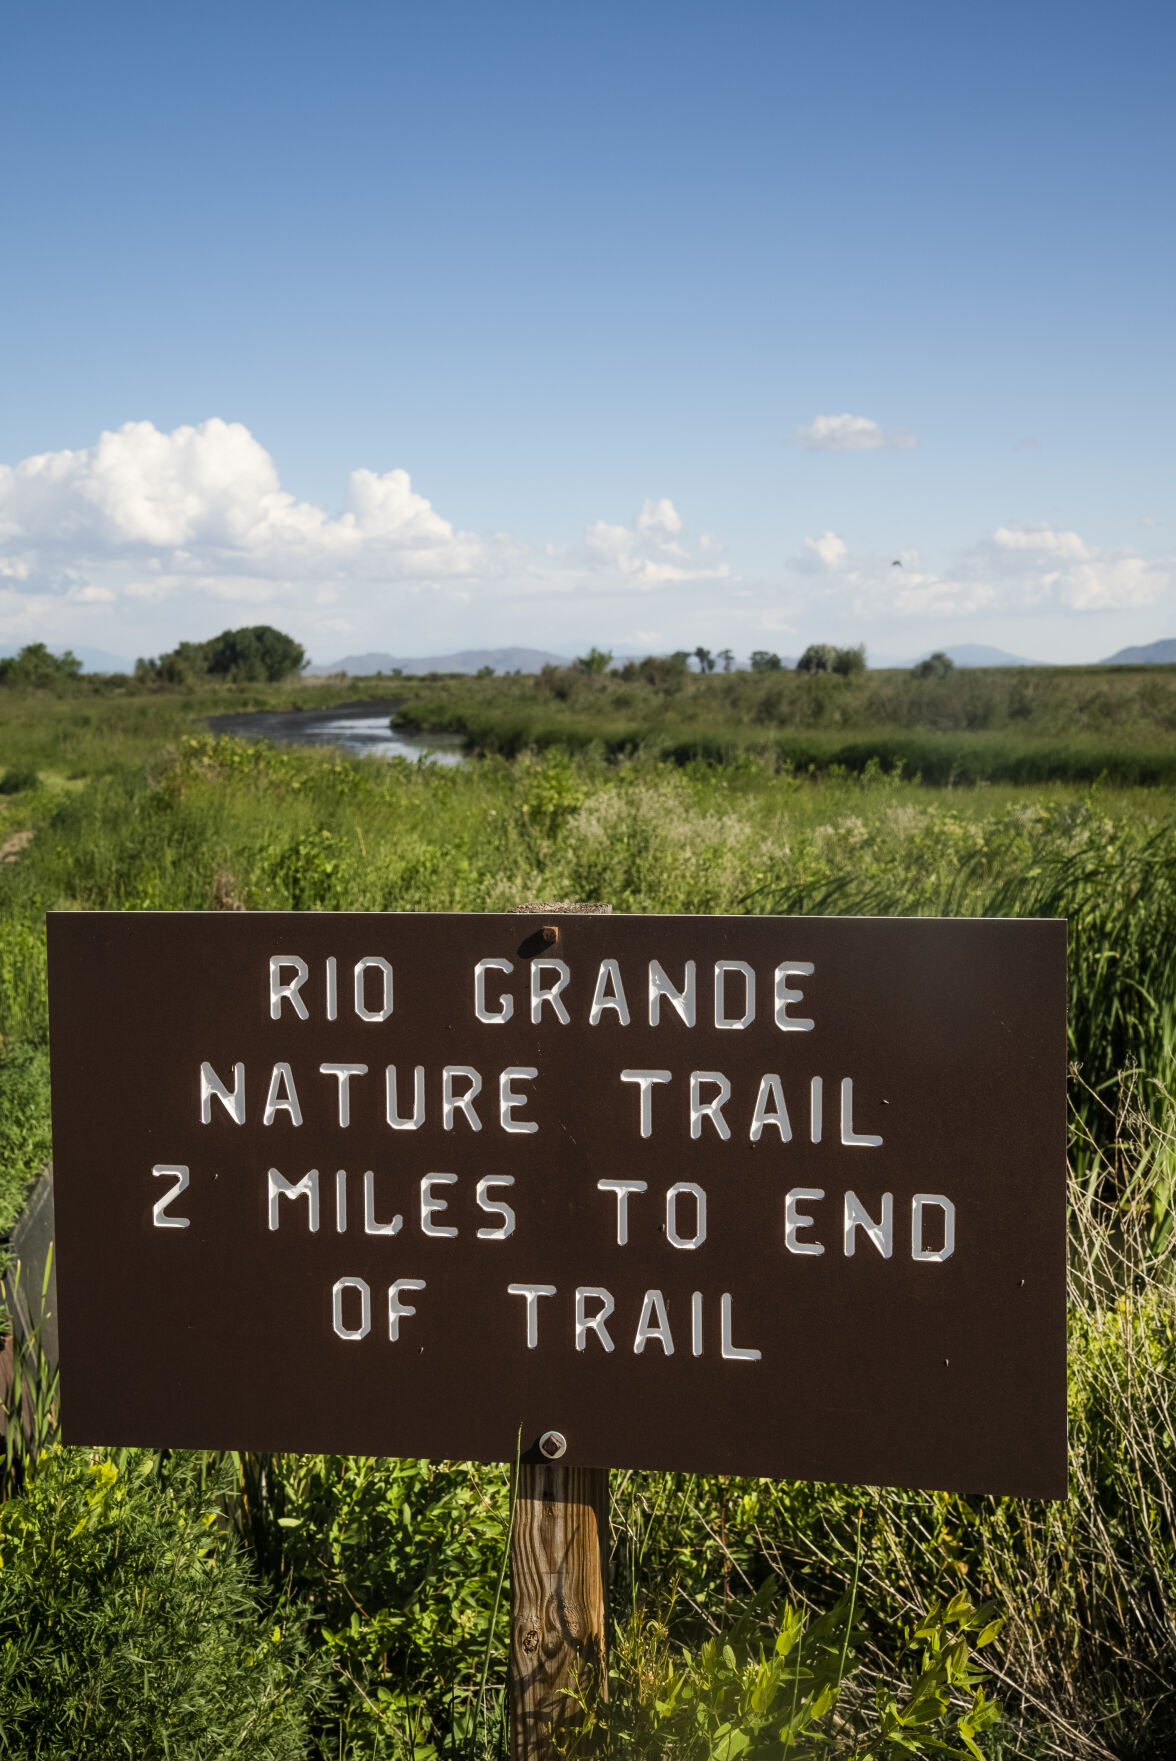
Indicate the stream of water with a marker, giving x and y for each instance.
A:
(358, 727)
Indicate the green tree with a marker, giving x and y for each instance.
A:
(705, 659)
(823, 657)
(763, 661)
(596, 662)
(254, 653)
(850, 661)
(246, 656)
(35, 665)
(935, 666)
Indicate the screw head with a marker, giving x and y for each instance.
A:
(553, 1444)
(550, 933)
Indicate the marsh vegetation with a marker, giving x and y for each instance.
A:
(347, 1605)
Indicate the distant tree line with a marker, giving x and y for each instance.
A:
(818, 657)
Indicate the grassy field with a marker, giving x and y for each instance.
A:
(379, 1577)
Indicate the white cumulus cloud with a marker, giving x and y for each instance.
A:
(208, 497)
(1015, 569)
(144, 526)
(651, 553)
(830, 550)
(848, 433)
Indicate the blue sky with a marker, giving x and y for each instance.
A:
(416, 328)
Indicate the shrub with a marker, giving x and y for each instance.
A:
(17, 778)
(795, 1687)
(129, 1624)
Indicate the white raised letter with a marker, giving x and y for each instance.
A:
(696, 1324)
(532, 1292)
(748, 1353)
(586, 1323)
(280, 991)
(373, 963)
(343, 1074)
(307, 1188)
(495, 1017)
(622, 1188)
(551, 995)
(490, 1205)
(685, 1001)
(712, 1109)
(508, 1100)
(722, 968)
(771, 1090)
(918, 1205)
(370, 1226)
(603, 999)
(332, 988)
(848, 1134)
(417, 1119)
(430, 1205)
(277, 1101)
(365, 1308)
(672, 1197)
(795, 1219)
(180, 1174)
(645, 1079)
(857, 1217)
(397, 1309)
(785, 995)
(816, 1097)
(454, 1103)
(654, 1324)
(233, 1101)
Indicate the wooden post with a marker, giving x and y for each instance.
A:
(558, 1600)
(558, 1576)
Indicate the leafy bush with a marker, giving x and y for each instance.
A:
(17, 778)
(802, 1689)
(129, 1624)
(396, 1562)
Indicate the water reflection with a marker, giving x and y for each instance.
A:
(358, 727)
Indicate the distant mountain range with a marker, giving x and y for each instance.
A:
(1151, 654)
(966, 654)
(503, 660)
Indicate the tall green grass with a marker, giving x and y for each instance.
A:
(1022, 726)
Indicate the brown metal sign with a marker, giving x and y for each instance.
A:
(756, 1195)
